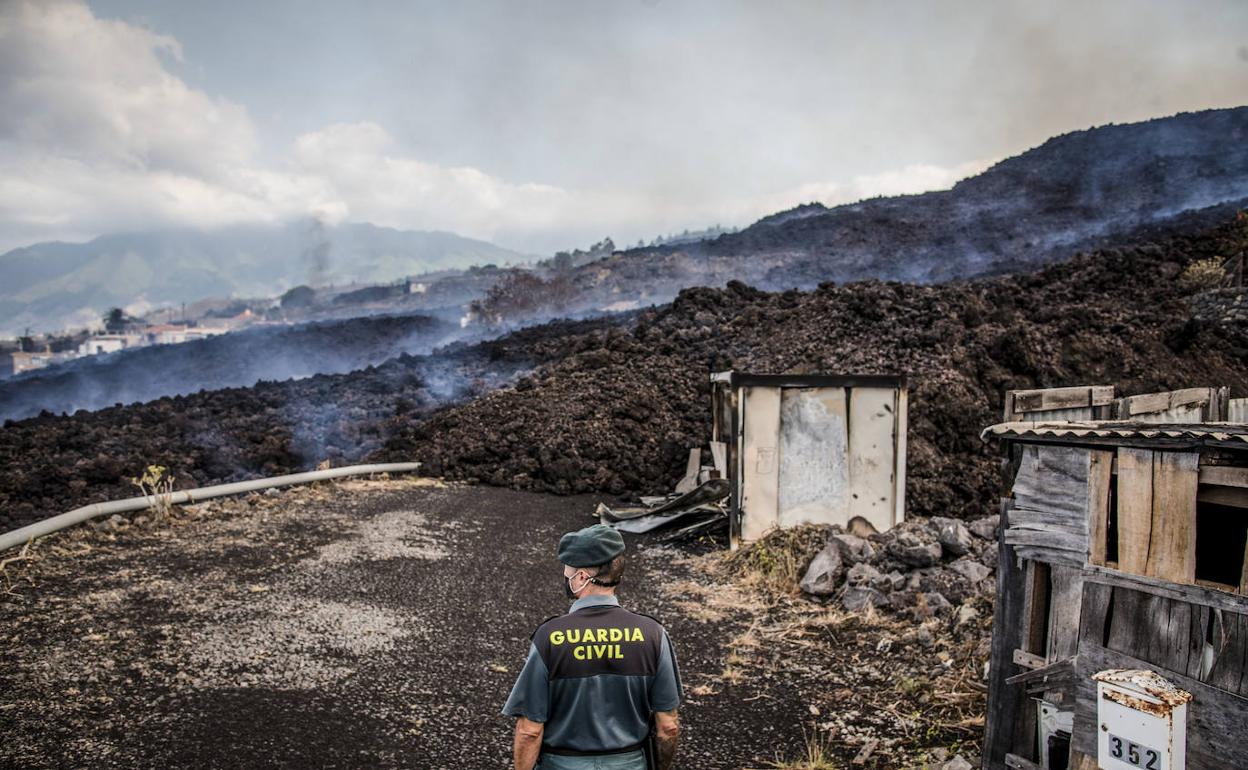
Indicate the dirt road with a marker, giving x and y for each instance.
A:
(367, 624)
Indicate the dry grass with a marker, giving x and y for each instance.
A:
(775, 562)
(816, 756)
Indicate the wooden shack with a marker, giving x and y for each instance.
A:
(1123, 546)
(810, 448)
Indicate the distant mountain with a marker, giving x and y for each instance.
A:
(51, 285)
(1073, 193)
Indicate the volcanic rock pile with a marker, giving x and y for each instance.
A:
(922, 566)
(613, 405)
(620, 414)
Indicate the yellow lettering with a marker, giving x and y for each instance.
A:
(600, 651)
(616, 635)
(618, 654)
(602, 634)
(636, 636)
(574, 635)
(578, 653)
(556, 637)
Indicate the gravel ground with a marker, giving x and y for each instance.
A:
(359, 624)
(381, 624)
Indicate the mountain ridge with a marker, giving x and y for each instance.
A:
(54, 284)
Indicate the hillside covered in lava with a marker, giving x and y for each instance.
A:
(613, 404)
(1076, 192)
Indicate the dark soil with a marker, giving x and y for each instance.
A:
(366, 624)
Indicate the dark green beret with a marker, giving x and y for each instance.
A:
(591, 546)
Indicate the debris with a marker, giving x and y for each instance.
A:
(865, 753)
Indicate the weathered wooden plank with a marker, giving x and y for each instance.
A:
(1035, 617)
(1230, 661)
(1054, 479)
(1074, 558)
(1100, 473)
(1149, 403)
(1195, 594)
(1224, 476)
(1215, 719)
(1029, 661)
(1135, 508)
(1097, 598)
(1172, 549)
(1042, 672)
(1060, 398)
(1008, 720)
(1045, 537)
(1039, 519)
(1237, 410)
(1066, 595)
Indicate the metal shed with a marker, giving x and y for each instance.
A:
(810, 448)
(1123, 548)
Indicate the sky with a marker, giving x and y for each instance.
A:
(549, 125)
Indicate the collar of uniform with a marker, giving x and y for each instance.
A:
(599, 600)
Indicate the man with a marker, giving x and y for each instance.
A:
(596, 677)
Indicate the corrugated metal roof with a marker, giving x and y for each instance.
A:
(1230, 433)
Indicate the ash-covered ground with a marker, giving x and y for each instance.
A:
(381, 624)
(613, 405)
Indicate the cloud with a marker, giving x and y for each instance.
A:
(97, 134)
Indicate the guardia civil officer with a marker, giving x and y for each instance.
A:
(596, 677)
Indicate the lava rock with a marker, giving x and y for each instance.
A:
(971, 570)
(824, 573)
(986, 527)
(857, 598)
(953, 536)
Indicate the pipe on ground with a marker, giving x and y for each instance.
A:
(78, 515)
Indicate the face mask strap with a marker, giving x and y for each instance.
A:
(583, 585)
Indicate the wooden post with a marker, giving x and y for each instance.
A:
(1007, 724)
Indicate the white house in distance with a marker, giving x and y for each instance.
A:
(108, 343)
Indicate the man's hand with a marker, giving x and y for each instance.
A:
(528, 743)
(667, 730)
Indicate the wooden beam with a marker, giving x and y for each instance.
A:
(1151, 403)
(1224, 476)
(1059, 398)
(1233, 497)
(1010, 721)
(1196, 594)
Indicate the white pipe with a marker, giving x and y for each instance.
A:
(78, 515)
